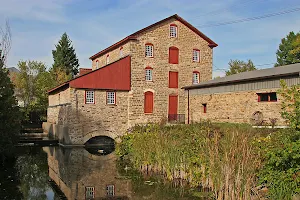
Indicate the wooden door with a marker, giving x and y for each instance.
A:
(173, 106)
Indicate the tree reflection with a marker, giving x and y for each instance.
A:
(32, 172)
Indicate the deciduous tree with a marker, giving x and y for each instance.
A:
(289, 50)
(238, 66)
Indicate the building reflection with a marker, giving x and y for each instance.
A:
(81, 175)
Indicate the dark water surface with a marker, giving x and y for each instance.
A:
(53, 173)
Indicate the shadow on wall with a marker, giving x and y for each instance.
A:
(76, 126)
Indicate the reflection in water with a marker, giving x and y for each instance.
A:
(54, 173)
(81, 175)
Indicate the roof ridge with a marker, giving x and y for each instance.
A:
(133, 35)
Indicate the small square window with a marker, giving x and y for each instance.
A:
(148, 74)
(149, 50)
(110, 190)
(196, 55)
(173, 31)
(89, 97)
(111, 98)
(89, 193)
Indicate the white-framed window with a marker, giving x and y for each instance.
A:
(107, 59)
(121, 52)
(97, 64)
(173, 31)
(148, 74)
(196, 77)
(111, 98)
(110, 190)
(89, 193)
(89, 96)
(196, 55)
(149, 50)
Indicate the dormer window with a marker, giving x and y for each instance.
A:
(149, 50)
(121, 52)
(173, 30)
(107, 59)
(196, 55)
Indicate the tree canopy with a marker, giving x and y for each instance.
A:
(238, 66)
(32, 84)
(289, 50)
(65, 57)
(9, 111)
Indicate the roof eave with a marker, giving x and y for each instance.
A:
(236, 81)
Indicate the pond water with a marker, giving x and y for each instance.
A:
(53, 173)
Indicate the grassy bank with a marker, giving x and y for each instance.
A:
(226, 158)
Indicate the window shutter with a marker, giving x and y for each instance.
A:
(148, 107)
(173, 79)
(173, 55)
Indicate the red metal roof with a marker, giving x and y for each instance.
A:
(134, 35)
(114, 76)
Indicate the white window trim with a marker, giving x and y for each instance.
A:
(89, 100)
(121, 52)
(149, 51)
(91, 191)
(196, 57)
(175, 31)
(196, 81)
(97, 64)
(148, 77)
(108, 98)
(110, 188)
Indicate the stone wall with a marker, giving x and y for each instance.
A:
(90, 120)
(186, 41)
(234, 107)
(113, 56)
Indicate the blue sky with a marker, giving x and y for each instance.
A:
(96, 24)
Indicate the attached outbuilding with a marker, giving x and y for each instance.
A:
(245, 97)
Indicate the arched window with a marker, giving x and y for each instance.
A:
(173, 55)
(97, 64)
(149, 50)
(121, 52)
(196, 55)
(148, 73)
(173, 30)
(196, 77)
(148, 102)
(107, 59)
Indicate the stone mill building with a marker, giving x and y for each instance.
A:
(136, 80)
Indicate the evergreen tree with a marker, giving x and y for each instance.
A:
(9, 111)
(238, 66)
(65, 57)
(289, 50)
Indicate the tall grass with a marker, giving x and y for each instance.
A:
(220, 157)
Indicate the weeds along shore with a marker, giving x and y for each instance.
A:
(225, 158)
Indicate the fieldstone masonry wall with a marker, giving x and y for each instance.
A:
(186, 41)
(234, 107)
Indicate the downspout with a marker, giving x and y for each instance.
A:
(188, 106)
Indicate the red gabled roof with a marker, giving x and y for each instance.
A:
(134, 35)
(114, 76)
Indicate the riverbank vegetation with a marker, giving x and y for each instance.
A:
(234, 161)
